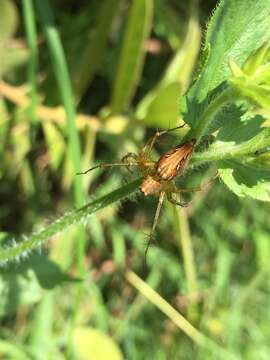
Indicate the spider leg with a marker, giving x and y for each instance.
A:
(149, 145)
(127, 159)
(160, 202)
(106, 165)
(174, 201)
(197, 188)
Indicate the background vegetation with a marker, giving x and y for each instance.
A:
(84, 82)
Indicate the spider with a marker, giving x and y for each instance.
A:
(158, 176)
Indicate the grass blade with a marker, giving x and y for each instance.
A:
(30, 28)
(64, 85)
(132, 54)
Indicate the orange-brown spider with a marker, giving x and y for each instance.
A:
(158, 175)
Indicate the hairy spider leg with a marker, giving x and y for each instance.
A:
(149, 163)
(107, 165)
(127, 159)
(175, 190)
(159, 206)
(174, 201)
(150, 143)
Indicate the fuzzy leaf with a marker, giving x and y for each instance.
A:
(247, 179)
(229, 35)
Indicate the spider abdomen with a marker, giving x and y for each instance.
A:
(174, 162)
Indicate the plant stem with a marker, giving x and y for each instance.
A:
(185, 246)
(208, 115)
(258, 142)
(177, 318)
(76, 216)
(30, 28)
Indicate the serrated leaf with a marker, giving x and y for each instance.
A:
(246, 179)
(229, 35)
(91, 343)
(241, 128)
(232, 113)
(132, 54)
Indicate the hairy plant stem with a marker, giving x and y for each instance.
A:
(74, 217)
(223, 152)
(226, 97)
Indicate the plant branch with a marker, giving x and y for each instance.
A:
(75, 217)
(258, 142)
(226, 97)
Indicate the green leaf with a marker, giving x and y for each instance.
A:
(11, 350)
(241, 128)
(4, 124)
(256, 59)
(262, 249)
(93, 52)
(247, 179)
(263, 74)
(160, 108)
(3, 237)
(258, 94)
(18, 289)
(182, 65)
(55, 143)
(132, 54)
(40, 338)
(233, 32)
(12, 58)
(91, 343)
(47, 272)
(8, 20)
